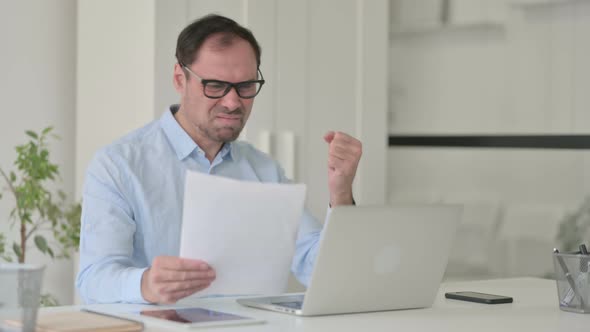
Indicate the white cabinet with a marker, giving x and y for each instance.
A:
(477, 12)
(410, 16)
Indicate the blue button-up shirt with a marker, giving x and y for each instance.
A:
(132, 206)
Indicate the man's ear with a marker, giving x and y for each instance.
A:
(179, 78)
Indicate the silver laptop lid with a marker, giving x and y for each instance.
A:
(381, 258)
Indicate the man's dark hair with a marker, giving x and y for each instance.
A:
(194, 35)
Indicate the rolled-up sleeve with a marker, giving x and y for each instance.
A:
(306, 247)
(307, 243)
(106, 273)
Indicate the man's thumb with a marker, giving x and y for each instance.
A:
(329, 136)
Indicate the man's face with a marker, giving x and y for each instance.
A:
(212, 121)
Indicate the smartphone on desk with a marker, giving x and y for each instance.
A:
(478, 297)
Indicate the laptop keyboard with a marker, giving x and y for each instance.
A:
(292, 305)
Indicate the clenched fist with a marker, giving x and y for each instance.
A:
(344, 154)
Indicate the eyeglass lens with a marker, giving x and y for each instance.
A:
(218, 89)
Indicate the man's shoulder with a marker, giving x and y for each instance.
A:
(266, 168)
(129, 148)
(251, 153)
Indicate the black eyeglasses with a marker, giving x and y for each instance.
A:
(216, 89)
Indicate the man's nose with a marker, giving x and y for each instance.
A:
(231, 100)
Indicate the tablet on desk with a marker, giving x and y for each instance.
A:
(196, 317)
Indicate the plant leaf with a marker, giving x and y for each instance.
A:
(48, 300)
(12, 177)
(47, 130)
(50, 252)
(32, 134)
(2, 244)
(16, 249)
(41, 243)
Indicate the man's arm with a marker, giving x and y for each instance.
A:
(110, 269)
(107, 273)
(306, 247)
(344, 153)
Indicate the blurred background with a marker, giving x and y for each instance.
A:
(385, 71)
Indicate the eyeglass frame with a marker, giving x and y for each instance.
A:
(230, 85)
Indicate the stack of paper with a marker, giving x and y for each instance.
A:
(245, 230)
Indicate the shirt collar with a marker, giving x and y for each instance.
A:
(227, 150)
(181, 142)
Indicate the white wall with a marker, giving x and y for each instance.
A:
(526, 71)
(171, 18)
(115, 78)
(37, 89)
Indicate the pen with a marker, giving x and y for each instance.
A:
(583, 260)
(568, 276)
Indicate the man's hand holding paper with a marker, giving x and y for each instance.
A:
(171, 278)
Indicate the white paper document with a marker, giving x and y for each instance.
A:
(245, 230)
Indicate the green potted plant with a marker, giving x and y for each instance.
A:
(36, 208)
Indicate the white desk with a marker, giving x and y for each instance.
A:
(535, 308)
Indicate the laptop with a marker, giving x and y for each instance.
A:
(374, 258)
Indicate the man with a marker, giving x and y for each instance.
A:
(134, 188)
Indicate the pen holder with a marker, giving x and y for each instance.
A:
(20, 288)
(573, 281)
